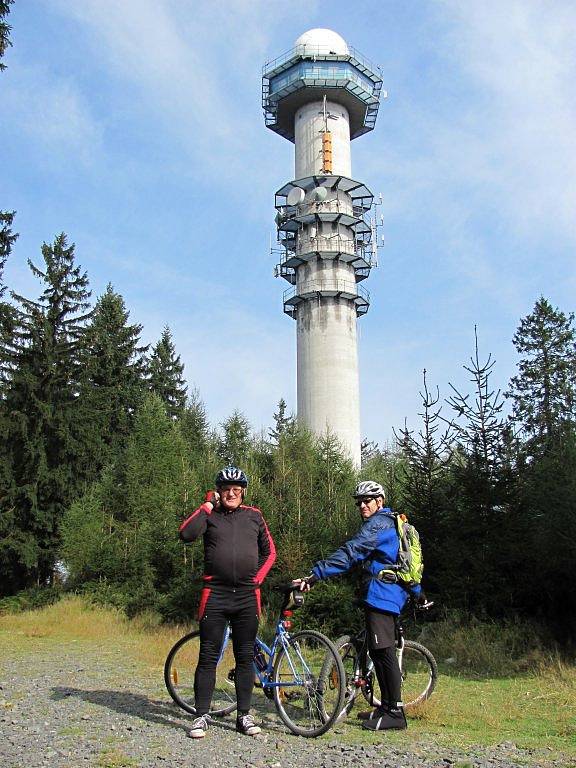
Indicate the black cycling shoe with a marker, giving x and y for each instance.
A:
(392, 719)
(372, 713)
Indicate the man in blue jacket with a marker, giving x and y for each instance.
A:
(375, 546)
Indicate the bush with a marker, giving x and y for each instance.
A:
(30, 599)
(487, 648)
(331, 607)
(105, 593)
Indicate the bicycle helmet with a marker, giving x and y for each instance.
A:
(368, 489)
(231, 475)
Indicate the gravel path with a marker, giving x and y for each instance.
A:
(84, 707)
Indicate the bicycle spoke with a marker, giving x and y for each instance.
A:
(311, 678)
(179, 676)
(419, 673)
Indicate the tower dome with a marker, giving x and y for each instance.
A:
(321, 41)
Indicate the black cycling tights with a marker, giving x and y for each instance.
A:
(388, 675)
(241, 610)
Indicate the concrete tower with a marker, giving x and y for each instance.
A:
(321, 95)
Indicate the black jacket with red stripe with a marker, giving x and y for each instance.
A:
(238, 548)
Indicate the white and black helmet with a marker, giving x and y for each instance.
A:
(232, 475)
(368, 489)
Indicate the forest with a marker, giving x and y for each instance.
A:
(104, 451)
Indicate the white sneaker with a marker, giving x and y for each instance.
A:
(245, 724)
(199, 727)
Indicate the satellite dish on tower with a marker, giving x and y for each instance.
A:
(295, 196)
(318, 194)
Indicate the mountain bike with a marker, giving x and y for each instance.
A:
(301, 673)
(417, 666)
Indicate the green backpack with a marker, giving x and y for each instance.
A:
(410, 564)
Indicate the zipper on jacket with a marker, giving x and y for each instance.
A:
(233, 520)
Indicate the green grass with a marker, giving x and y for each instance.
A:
(115, 758)
(533, 705)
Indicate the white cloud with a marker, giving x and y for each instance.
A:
(521, 56)
(195, 65)
(484, 151)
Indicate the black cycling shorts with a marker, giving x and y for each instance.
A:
(380, 629)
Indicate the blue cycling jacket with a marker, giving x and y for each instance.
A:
(376, 547)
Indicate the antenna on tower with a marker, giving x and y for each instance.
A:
(376, 224)
(326, 138)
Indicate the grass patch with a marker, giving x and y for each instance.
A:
(114, 758)
(73, 619)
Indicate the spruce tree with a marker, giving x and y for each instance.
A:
(543, 400)
(235, 442)
(7, 240)
(427, 454)
(477, 557)
(4, 29)
(124, 530)
(543, 393)
(113, 379)
(281, 422)
(42, 366)
(427, 488)
(165, 375)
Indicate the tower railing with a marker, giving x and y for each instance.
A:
(322, 52)
(327, 287)
(334, 205)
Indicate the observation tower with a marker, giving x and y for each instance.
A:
(320, 95)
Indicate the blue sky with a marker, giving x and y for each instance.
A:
(135, 126)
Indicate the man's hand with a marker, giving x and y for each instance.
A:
(305, 584)
(422, 601)
(212, 497)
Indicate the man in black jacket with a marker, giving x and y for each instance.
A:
(238, 553)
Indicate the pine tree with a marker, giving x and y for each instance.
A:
(165, 375)
(281, 422)
(427, 454)
(235, 442)
(426, 487)
(123, 531)
(196, 430)
(543, 393)
(113, 380)
(7, 240)
(478, 559)
(4, 29)
(543, 401)
(42, 367)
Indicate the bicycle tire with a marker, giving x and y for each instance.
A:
(179, 669)
(310, 704)
(349, 655)
(419, 674)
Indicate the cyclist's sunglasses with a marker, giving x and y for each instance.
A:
(367, 501)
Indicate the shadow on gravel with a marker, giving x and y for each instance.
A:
(126, 703)
(161, 712)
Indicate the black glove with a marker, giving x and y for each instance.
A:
(422, 601)
(306, 583)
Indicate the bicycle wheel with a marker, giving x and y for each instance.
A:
(179, 671)
(310, 684)
(350, 661)
(357, 679)
(419, 673)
